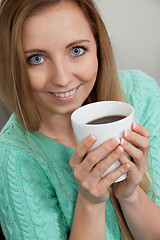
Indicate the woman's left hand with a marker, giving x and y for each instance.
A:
(136, 144)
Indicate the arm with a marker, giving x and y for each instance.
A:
(142, 215)
(89, 217)
(88, 221)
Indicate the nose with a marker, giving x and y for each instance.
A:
(61, 74)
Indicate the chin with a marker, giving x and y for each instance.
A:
(69, 110)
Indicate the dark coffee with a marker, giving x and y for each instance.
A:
(107, 119)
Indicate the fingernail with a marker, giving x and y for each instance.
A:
(122, 140)
(125, 133)
(93, 137)
(118, 140)
(127, 165)
(121, 148)
(114, 142)
(134, 125)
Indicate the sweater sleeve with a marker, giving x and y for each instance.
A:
(29, 208)
(150, 118)
(143, 93)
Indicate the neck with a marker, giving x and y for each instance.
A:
(59, 128)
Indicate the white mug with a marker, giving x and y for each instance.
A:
(90, 112)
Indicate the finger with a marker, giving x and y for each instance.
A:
(124, 159)
(134, 152)
(103, 165)
(140, 129)
(99, 153)
(82, 149)
(110, 178)
(138, 140)
(134, 174)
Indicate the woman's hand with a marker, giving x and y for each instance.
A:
(136, 146)
(88, 168)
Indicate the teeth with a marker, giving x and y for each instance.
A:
(66, 94)
(61, 95)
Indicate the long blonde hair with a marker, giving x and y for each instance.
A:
(15, 90)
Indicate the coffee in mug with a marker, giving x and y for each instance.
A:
(107, 119)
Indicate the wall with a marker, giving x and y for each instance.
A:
(134, 28)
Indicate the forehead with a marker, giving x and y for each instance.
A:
(59, 22)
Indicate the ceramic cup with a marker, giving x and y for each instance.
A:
(90, 112)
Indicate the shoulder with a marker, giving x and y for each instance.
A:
(137, 81)
(14, 137)
(18, 148)
(13, 134)
(141, 91)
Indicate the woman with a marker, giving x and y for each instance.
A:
(56, 56)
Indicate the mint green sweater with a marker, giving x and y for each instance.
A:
(38, 190)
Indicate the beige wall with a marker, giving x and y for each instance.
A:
(134, 28)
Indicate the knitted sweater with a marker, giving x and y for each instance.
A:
(38, 190)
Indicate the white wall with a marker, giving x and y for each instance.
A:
(134, 28)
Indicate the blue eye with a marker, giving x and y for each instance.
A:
(35, 60)
(78, 51)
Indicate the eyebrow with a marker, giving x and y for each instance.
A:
(35, 50)
(68, 46)
(77, 42)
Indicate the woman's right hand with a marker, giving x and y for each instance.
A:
(88, 168)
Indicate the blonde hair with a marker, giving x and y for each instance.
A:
(15, 90)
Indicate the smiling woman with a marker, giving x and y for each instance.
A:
(56, 56)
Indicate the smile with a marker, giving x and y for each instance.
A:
(65, 94)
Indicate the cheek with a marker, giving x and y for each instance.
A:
(90, 69)
(37, 79)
